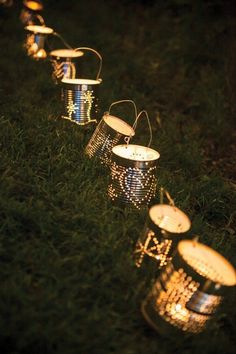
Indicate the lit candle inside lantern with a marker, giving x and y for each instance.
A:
(41, 54)
(189, 289)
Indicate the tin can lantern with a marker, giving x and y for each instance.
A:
(80, 96)
(189, 289)
(63, 63)
(166, 225)
(110, 131)
(132, 175)
(35, 41)
(33, 5)
(30, 13)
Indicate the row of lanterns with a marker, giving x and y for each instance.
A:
(193, 277)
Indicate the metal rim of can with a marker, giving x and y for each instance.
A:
(79, 84)
(195, 254)
(39, 29)
(66, 53)
(164, 209)
(118, 125)
(122, 151)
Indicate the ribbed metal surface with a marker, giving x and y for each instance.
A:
(182, 296)
(132, 186)
(103, 140)
(81, 104)
(168, 322)
(168, 299)
(155, 242)
(204, 303)
(39, 39)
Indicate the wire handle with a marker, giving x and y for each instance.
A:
(195, 240)
(135, 125)
(124, 101)
(62, 39)
(98, 55)
(170, 200)
(41, 20)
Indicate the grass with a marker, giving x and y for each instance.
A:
(68, 280)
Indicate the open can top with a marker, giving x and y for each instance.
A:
(39, 29)
(169, 218)
(136, 152)
(66, 53)
(118, 125)
(207, 262)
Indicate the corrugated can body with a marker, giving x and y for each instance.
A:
(30, 12)
(133, 175)
(166, 225)
(39, 39)
(189, 289)
(109, 132)
(35, 41)
(34, 44)
(80, 100)
(101, 143)
(167, 301)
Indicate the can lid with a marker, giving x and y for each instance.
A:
(118, 125)
(66, 53)
(39, 29)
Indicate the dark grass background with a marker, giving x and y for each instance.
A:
(68, 280)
